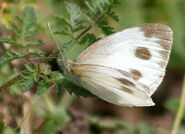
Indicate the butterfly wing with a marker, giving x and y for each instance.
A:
(142, 52)
(112, 85)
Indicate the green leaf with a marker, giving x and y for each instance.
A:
(98, 4)
(59, 79)
(49, 128)
(36, 52)
(43, 87)
(28, 28)
(88, 38)
(9, 56)
(45, 69)
(35, 77)
(26, 84)
(18, 19)
(24, 29)
(62, 33)
(15, 29)
(31, 33)
(29, 16)
(74, 13)
(11, 41)
(63, 21)
(78, 91)
(79, 27)
(34, 42)
(56, 76)
(27, 23)
(89, 5)
(31, 67)
(67, 46)
(112, 15)
(106, 4)
(88, 16)
(98, 7)
(106, 29)
(26, 75)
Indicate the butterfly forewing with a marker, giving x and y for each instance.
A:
(142, 52)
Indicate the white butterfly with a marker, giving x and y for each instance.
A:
(124, 68)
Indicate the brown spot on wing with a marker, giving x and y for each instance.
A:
(142, 53)
(157, 30)
(164, 54)
(165, 44)
(156, 26)
(126, 82)
(136, 74)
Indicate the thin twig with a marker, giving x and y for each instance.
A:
(180, 112)
(83, 32)
(10, 82)
(50, 104)
(58, 47)
(27, 113)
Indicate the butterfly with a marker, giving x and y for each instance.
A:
(124, 68)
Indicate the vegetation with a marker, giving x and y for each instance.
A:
(32, 86)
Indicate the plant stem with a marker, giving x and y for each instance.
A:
(10, 82)
(27, 113)
(83, 32)
(49, 102)
(179, 114)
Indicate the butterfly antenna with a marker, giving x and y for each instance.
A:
(58, 47)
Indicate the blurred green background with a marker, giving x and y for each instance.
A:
(91, 114)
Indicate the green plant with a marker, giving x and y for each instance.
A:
(76, 26)
(24, 45)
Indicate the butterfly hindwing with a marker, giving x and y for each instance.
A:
(112, 85)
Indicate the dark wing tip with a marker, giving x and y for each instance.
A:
(157, 30)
